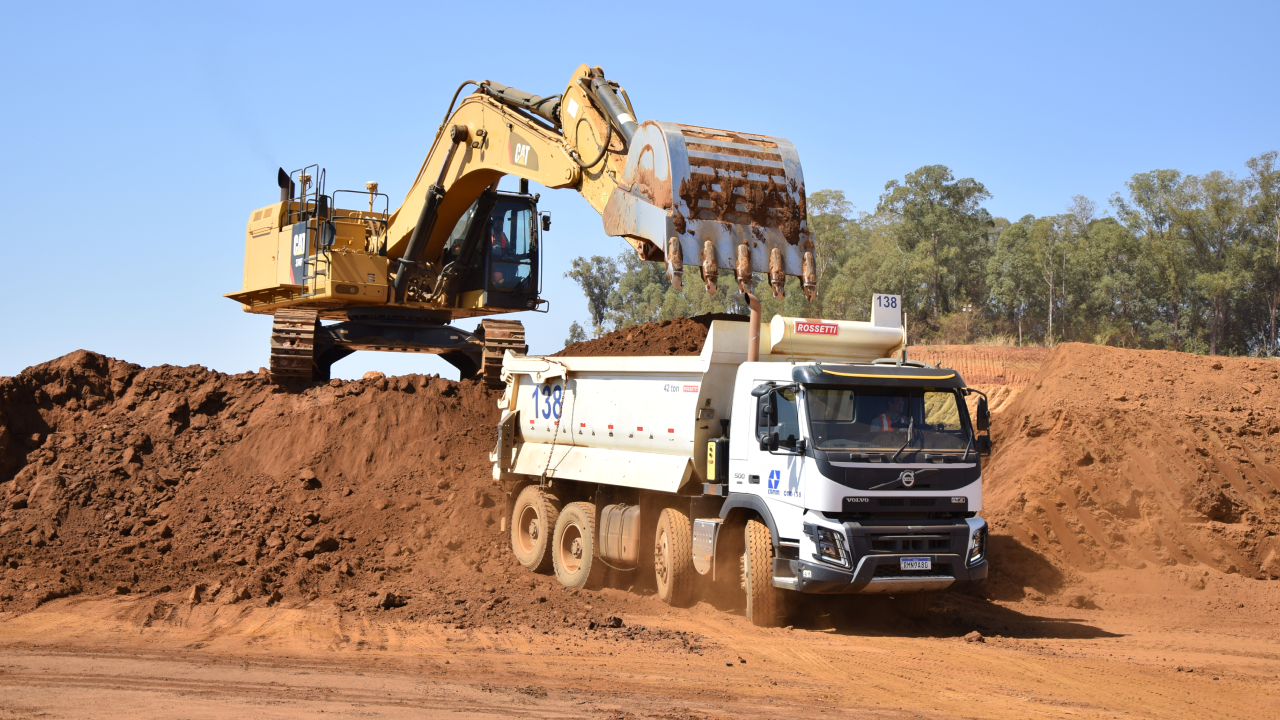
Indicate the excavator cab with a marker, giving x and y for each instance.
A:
(494, 251)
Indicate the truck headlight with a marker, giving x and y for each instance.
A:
(979, 549)
(831, 546)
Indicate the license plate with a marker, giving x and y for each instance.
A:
(916, 564)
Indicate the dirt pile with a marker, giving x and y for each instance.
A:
(1118, 458)
(1001, 372)
(204, 487)
(681, 336)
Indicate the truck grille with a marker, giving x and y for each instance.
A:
(910, 543)
(907, 502)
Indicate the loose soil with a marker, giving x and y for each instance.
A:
(1133, 497)
(680, 336)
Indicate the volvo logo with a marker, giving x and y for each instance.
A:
(907, 478)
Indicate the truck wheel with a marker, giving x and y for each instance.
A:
(673, 558)
(533, 520)
(913, 605)
(766, 605)
(573, 549)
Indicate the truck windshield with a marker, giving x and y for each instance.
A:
(874, 418)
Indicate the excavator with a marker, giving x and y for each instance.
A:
(457, 247)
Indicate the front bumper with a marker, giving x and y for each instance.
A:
(877, 574)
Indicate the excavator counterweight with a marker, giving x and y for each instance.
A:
(457, 247)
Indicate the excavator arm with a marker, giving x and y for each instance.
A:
(677, 193)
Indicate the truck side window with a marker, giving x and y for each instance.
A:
(788, 418)
(788, 427)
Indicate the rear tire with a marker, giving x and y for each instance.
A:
(533, 521)
(673, 558)
(766, 604)
(573, 550)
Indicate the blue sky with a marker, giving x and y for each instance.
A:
(138, 137)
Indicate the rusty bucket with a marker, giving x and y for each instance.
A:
(717, 199)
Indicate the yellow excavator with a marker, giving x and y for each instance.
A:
(457, 247)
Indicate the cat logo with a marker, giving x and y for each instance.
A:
(520, 152)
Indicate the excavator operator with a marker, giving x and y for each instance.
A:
(502, 257)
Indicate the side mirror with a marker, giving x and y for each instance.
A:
(984, 415)
(760, 390)
(546, 223)
(773, 442)
(984, 444)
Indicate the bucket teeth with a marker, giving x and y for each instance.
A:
(743, 268)
(675, 263)
(777, 276)
(710, 270)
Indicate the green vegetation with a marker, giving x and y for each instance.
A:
(1180, 262)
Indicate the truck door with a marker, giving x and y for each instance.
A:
(773, 471)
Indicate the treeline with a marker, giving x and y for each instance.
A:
(1178, 262)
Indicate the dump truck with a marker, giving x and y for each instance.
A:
(457, 247)
(798, 456)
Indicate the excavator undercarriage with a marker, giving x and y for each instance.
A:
(457, 248)
(302, 349)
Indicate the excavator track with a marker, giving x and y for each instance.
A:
(499, 337)
(293, 345)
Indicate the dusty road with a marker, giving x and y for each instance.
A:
(1186, 653)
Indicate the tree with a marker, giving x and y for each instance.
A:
(939, 223)
(576, 334)
(598, 277)
(1012, 270)
(1264, 175)
(1148, 214)
(1210, 214)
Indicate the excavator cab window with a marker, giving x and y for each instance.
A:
(500, 254)
(512, 256)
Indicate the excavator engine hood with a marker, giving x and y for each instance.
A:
(692, 191)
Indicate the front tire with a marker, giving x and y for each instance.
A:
(766, 604)
(573, 550)
(673, 558)
(533, 520)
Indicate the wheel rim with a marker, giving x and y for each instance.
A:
(572, 548)
(661, 568)
(528, 529)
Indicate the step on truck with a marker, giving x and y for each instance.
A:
(798, 456)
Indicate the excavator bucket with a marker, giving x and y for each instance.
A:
(718, 199)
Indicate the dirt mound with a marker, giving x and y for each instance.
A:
(371, 494)
(1000, 372)
(681, 336)
(1122, 459)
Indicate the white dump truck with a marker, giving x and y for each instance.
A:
(800, 456)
